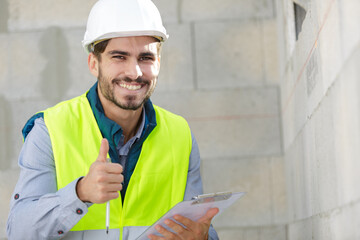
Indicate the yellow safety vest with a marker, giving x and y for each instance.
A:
(158, 181)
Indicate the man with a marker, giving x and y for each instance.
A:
(66, 179)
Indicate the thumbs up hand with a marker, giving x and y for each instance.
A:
(103, 181)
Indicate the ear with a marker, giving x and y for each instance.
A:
(93, 64)
(158, 62)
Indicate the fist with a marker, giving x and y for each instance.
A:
(103, 181)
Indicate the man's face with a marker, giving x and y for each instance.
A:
(128, 70)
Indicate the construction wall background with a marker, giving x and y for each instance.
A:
(320, 105)
(274, 116)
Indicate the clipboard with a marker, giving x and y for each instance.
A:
(195, 209)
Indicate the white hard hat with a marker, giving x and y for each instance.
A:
(123, 18)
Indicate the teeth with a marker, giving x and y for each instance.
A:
(130, 87)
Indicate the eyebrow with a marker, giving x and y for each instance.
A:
(147, 54)
(143, 54)
(117, 52)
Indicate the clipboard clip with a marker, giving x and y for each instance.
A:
(211, 197)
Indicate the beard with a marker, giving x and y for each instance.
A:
(131, 102)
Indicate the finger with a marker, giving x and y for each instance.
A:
(167, 234)
(113, 188)
(209, 215)
(180, 230)
(104, 149)
(154, 237)
(188, 223)
(104, 178)
(114, 168)
(204, 219)
(113, 195)
(113, 178)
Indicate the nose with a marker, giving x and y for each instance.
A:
(133, 70)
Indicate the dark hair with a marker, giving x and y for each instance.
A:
(99, 48)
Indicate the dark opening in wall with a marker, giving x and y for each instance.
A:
(300, 14)
(4, 15)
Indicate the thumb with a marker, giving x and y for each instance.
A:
(209, 215)
(104, 149)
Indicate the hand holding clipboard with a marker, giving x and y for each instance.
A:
(195, 209)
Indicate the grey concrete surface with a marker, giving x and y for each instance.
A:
(233, 53)
(320, 119)
(203, 10)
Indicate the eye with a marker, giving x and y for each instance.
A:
(146, 59)
(119, 57)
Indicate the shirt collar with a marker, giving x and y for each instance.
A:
(142, 124)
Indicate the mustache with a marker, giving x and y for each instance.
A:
(139, 80)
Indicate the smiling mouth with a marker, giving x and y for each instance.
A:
(130, 86)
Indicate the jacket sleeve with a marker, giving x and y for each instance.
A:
(37, 209)
(194, 185)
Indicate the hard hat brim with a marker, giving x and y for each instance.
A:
(156, 34)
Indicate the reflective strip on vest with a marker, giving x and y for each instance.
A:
(158, 181)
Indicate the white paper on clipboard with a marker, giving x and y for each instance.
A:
(195, 209)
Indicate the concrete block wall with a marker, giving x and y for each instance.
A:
(320, 118)
(219, 70)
